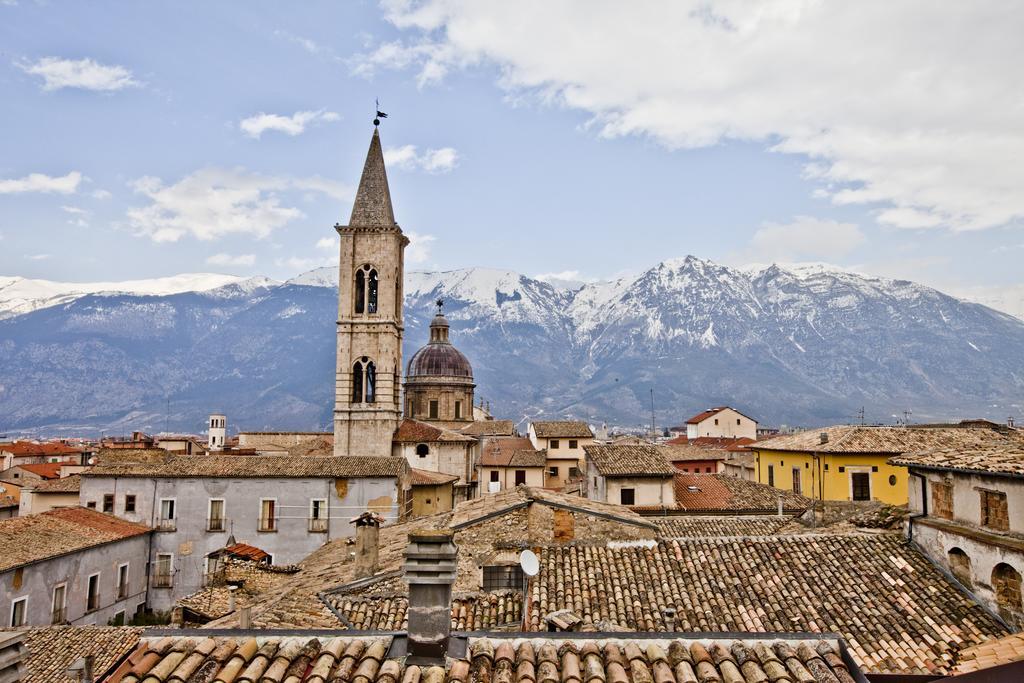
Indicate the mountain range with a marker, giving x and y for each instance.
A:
(787, 345)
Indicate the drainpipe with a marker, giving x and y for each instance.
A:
(924, 504)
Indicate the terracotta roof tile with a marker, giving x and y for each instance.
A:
(890, 440)
(708, 492)
(991, 653)
(35, 449)
(411, 431)
(700, 526)
(69, 484)
(46, 470)
(53, 649)
(255, 466)
(896, 610)
(428, 478)
(700, 417)
(1005, 460)
(630, 460)
(569, 429)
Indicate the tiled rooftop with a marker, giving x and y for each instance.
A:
(412, 431)
(991, 653)
(700, 526)
(46, 470)
(276, 659)
(689, 453)
(710, 492)
(895, 610)
(34, 449)
(997, 460)
(630, 460)
(53, 649)
(254, 466)
(567, 429)
(69, 484)
(214, 601)
(317, 447)
(890, 440)
(490, 428)
(511, 452)
(428, 478)
(33, 538)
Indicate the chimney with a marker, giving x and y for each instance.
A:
(367, 544)
(430, 564)
(13, 654)
(823, 438)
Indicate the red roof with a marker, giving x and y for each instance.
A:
(700, 417)
(246, 552)
(30, 448)
(428, 478)
(46, 470)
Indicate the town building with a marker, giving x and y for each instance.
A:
(286, 506)
(509, 462)
(72, 566)
(721, 422)
(487, 428)
(432, 492)
(48, 494)
(180, 444)
(367, 407)
(631, 475)
(217, 432)
(34, 452)
(279, 439)
(687, 458)
(851, 463)
(10, 500)
(431, 447)
(967, 514)
(439, 380)
(29, 473)
(563, 441)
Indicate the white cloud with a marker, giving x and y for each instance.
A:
(328, 243)
(101, 194)
(804, 238)
(256, 126)
(40, 182)
(213, 202)
(406, 158)
(223, 259)
(85, 74)
(419, 247)
(300, 264)
(887, 100)
(37, 257)
(74, 210)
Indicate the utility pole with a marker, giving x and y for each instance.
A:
(860, 414)
(654, 431)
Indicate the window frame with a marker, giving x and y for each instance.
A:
(125, 588)
(519, 474)
(495, 476)
(553, 444)
(322, 520)
(132, 498)
(632, 496)
(167, 523)
(433, 409)
(273, 527)
(574, 444)
(108, 503)
(223, 514)
(88, 592)
(23, 601)
(170, 571)
(511, 577)
(61, 611)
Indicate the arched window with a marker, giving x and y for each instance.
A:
(360, 291)
(357, 382)
(422, 450)
(371, 292)
(1006, 586)
(371, 382)
(960, 566)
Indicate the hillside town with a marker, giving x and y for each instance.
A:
(426, 539)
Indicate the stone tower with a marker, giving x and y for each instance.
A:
(367, 386)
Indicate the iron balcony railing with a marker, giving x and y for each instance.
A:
(317, 525)
(167, 524)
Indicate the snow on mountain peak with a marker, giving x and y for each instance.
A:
(327, 276)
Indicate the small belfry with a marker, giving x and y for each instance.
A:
(367, 400)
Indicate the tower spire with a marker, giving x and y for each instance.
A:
(372, 207)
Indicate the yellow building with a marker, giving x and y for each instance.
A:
(432, 492)
(850, 462)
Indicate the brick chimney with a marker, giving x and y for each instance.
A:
(367, 544)
(430, 565)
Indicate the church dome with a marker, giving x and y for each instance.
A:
(439, 358)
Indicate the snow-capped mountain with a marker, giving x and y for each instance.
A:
(801, 345)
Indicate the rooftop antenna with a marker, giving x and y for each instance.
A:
(860, 414)
(380, 115)
(654, 431)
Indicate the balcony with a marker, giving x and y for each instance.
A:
(318, 525)
(215, 524)
(167, 525)
(162, 580)
(268, 524)
(59, 615)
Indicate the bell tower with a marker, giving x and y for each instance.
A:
(367, 400)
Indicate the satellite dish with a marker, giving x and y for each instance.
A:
(529, 562)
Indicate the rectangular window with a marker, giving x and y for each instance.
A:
(520, 477)
(737, 420)
(458, 410)
(942, 500)
(552, 471)
(163, 571)
(268, 514)
(861, 482)
(91, 505)
(167, 515)
(129, 503)
(318, 515)
(574, 472)
(796, 480)
(503, 577)
(216, 521)
(554, 444)
(92, 595)
(994, 513)
(59, 612)
(494, 475)
(716, 421)
(573, 443)
(122, 581)
(627, 496)
(771, 475)
(411, 410)
(433, 410)
(108, 502)
(18, 612)
(118, 618)
(707, 470)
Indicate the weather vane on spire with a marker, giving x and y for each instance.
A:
(440, 305)
(380, 115)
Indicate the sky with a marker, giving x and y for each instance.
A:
(583, 139)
